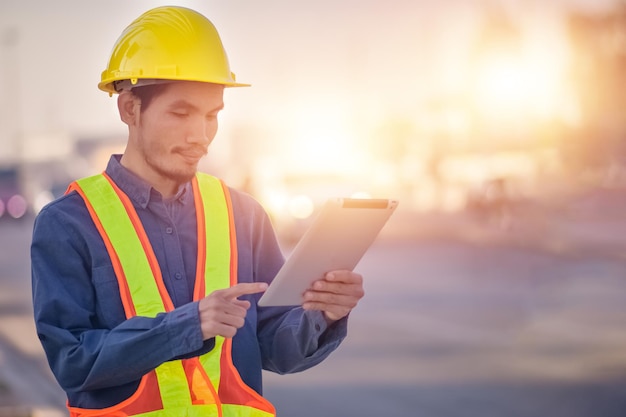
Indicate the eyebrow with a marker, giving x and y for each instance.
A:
(185, 104)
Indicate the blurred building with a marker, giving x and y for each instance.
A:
(598, 146)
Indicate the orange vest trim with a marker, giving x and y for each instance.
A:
(145, 242)
(129, 308)
(199, 286)
(212, 388)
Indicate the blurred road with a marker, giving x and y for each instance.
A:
(25, 380)
(449, 330)
(449, 327)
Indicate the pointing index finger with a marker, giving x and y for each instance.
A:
(244, 289)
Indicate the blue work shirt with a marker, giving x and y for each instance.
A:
(98, 356)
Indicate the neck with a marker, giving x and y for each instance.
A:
(166, 186)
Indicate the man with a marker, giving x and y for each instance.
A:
(146, 278)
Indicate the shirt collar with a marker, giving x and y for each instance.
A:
(138, 190)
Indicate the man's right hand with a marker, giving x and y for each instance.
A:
(222, 313)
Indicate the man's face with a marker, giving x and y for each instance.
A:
(176, 129)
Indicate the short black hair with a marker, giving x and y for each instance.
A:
(147, 93)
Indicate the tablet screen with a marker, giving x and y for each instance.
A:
(338, 238)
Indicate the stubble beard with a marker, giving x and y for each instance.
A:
(179, 175)
(160, 165)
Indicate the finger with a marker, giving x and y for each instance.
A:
(241, 303)
(347, 277)
(331, 299)
(243, 289)
(338, 288)
(211, 308)
(228, 332)
(220, 329)
(233, 320)
(233, 308)
(315, 305)
(331, 312)
(223, 317)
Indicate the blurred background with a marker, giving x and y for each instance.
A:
(498, 286)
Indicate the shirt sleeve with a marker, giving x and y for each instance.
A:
(295, 340)
(290, 338)
(88, 341)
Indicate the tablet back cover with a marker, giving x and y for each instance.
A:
(338, 238)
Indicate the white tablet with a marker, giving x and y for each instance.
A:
(337, 239)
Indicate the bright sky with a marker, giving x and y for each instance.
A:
(334, 82)
(316, 67)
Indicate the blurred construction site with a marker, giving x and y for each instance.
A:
(498, 125)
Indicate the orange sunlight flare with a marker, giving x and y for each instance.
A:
(511, 85)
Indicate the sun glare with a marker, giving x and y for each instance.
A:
(322, 139)
(510, 85)
(502, 83)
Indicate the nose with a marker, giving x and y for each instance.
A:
(202, 131)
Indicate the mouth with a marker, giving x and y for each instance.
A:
(193, 155)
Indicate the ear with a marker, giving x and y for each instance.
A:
(128, 106)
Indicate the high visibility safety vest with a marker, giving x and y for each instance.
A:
(205, 386)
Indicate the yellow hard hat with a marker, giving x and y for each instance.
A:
(168, 43)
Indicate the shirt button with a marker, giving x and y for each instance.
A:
(169, 230)
(178, 275)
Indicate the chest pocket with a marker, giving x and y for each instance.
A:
(109, 308)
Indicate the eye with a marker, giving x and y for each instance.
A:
(179, 113)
